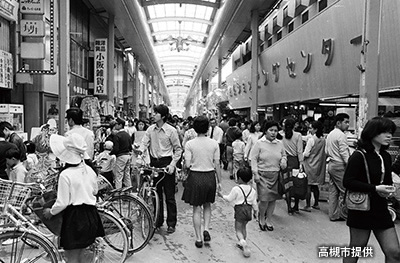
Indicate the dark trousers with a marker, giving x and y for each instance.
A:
(222, 154)
(165, 187)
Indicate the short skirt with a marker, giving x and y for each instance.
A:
(81, 225)
(267, 188)
(378, 217)
(200, 188)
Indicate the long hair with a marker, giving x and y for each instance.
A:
(289, 126)
(319, 127)
(374, 127)
(253, 127)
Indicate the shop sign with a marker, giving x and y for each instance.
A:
(33, 50)
(100, 66)
(9, 9)
(32, 28)
(6, 70)
(32, 7)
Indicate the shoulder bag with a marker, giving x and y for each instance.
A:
(359, 200)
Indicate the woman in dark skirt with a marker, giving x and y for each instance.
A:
(375, 139)
(77, 186)
(202, 159)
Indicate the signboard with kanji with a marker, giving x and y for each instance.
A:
(6, 70)
(32, 28)
(100, 66)
(32, 7)
(9, 9)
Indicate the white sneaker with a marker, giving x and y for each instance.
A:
(246, 250)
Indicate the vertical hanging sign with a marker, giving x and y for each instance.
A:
(6, 70)
(100, 66)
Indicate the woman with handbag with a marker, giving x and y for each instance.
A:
(293, 143)
(368, 174)
(268, 157)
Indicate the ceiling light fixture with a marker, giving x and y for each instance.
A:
(179, 43)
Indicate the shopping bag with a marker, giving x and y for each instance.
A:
(300, 184)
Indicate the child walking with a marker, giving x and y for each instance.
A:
(244, 197)
(238, 153)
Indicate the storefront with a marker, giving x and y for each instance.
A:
(303, 72)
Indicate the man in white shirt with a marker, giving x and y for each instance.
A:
(338, 152)
(75, 121)
(215, 132)
(165, 149)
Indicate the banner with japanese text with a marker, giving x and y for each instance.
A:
(100, 66)
(6, 70)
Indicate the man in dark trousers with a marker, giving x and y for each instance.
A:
(121, 149)
(162, 140)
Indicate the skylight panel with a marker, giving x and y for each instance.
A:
(190, 10)
(208, 13)
(200, 12)
(151, 11)
(159, 10)
(179, 11)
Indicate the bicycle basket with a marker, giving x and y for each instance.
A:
(14, 193)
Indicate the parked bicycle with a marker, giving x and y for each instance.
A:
(26, 240)
(132, 210)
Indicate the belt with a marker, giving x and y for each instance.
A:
(160, 158)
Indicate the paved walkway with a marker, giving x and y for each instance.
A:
(295, 238)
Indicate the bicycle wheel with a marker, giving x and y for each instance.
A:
(14, 248)
(136, 216)
(151, 198)
(113, 247)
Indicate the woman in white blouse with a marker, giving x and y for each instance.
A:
(202, 159)
(254, 135)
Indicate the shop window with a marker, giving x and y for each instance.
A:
(304, 17)
(279, 35)
(80, 59)
(269, 42)
(290, 27)
(322, 4)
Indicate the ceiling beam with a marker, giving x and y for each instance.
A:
(178, 76)
(190, 2)
(178, 62)
(179, 68)
(180, 18)
(183, 32)
(191, 43)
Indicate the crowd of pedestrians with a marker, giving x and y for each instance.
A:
(261, 158)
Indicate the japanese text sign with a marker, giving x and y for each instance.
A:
(100, 66)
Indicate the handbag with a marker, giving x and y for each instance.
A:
(46, 200)
(285, 182)
(359, 201)
(243, 211)
(300, 186)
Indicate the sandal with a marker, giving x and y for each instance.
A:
(262, 227)
(199, 244)
(206, 236)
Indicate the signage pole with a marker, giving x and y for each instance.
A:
(369, 67)
(254, 65)
(63, 86)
